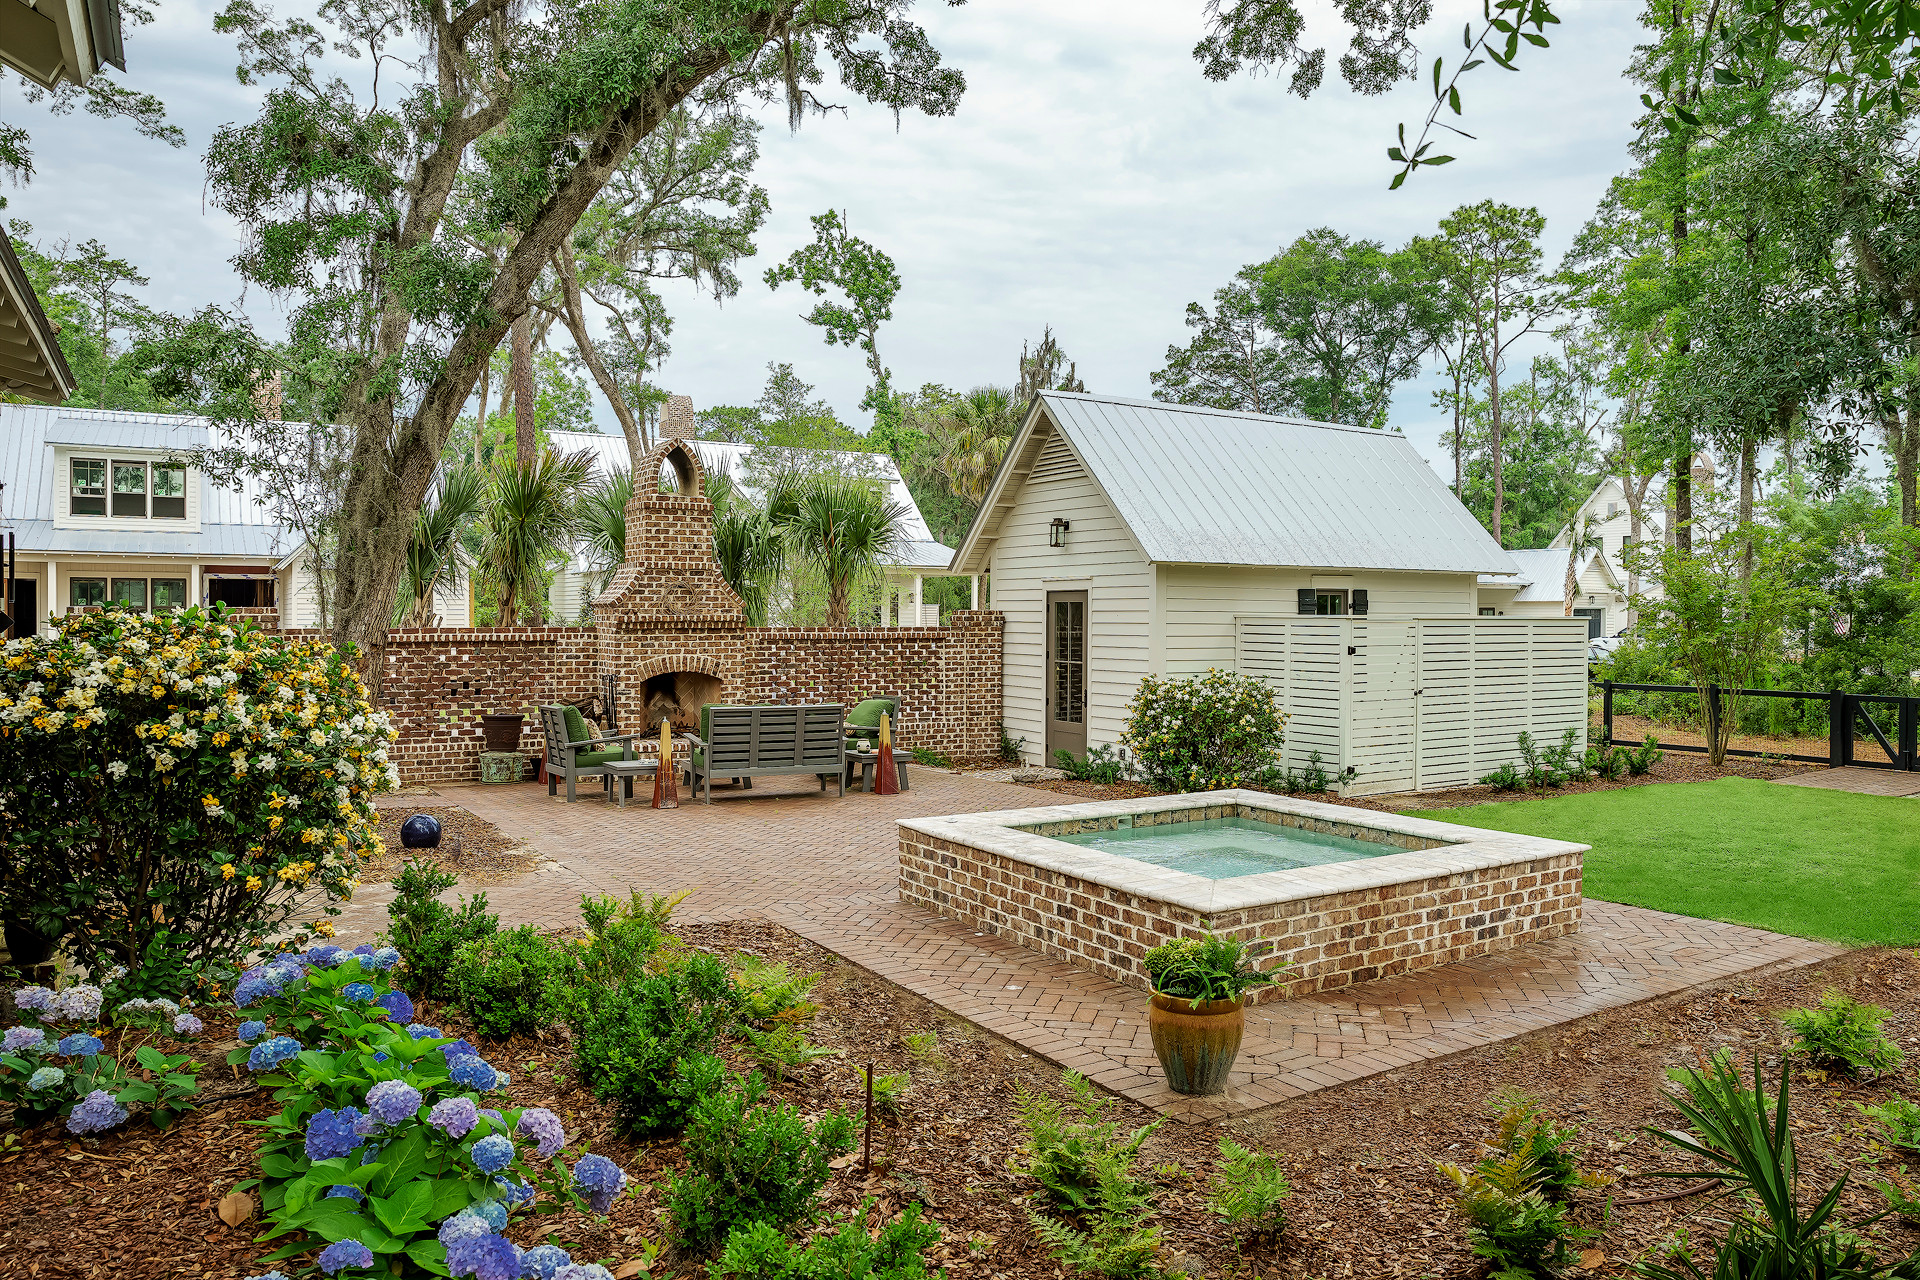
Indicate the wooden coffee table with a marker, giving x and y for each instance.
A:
(621, 773)
(867, 762)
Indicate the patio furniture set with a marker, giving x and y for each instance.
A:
(736, 744)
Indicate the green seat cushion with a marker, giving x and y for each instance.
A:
(581, 759)
(867, 714)
(576, 724)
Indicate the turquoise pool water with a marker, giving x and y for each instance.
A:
(1222, 848)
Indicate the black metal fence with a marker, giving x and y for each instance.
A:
(1895, 733)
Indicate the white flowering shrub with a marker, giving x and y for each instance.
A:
(174, 786)
(1201, 733)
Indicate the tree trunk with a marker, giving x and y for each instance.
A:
(1459, 434)
(480, 423)
(837, 591)
(1749, 454)
(573, 312)
(1496, 444)
(1902, 436)
(1683, 503)
(523, 437)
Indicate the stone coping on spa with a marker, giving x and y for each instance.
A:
(1441, 848)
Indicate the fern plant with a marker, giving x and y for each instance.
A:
(1899, 1121)
(1114, 1239)
(1515, 1198)
(782, 1048)
(1249, 1191)
(1842, 1033)
(1069, 1144)
(770, 992)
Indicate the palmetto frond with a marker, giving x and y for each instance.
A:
(972, 435)
(845, 526)
(530, 519)
(434, 548)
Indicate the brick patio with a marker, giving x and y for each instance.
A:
(828, 870)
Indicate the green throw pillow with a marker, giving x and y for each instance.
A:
(867, 714)
(576, 724)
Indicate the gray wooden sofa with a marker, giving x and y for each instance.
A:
(748, 742)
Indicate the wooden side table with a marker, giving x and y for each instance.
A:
(867, 762)
(621, 773)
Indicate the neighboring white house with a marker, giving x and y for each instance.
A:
(1129, 538)
(916, 556)
(1600, 590)
(104, 506)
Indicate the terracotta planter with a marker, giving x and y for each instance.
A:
(502, 733)
(1196, 1047)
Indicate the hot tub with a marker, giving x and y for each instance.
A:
(1344, 895)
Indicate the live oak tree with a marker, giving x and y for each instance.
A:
(1234, 360)
(839, 262)
(343, 197)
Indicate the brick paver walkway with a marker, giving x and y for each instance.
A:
(827, 869)
(1872, 782)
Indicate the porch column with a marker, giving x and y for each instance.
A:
(193, 584)
(973, 598)
(54, 605)
(917, 619)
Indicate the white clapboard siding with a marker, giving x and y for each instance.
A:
(1415, 704)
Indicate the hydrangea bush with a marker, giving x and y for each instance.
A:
(50, 1067)
(1205, 732)
(172, 784)
(390, 1153)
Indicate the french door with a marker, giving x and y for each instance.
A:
(1066, 675)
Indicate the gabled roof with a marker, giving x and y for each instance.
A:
(233, 523)
(1543, 574)
(915, 548)
(1208, 486)
(31, 363)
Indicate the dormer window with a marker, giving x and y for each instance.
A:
(139, 490)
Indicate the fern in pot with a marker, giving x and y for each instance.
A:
(1197, 1012)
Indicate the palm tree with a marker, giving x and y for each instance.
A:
(972, 434)
(844, 525)
(603, 519)
(1582, 537)
(434, 548)
(529, 521)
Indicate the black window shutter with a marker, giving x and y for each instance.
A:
(1306, 600)
(1359, 600)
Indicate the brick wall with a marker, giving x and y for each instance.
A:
(1329, 941)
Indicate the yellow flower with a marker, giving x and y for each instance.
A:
(226, 871)
(253, 882)
(273, 823)
(324, 928)
(222, 738)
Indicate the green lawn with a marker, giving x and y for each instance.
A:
(1799, 860)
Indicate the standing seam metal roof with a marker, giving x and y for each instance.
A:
(1209, 486)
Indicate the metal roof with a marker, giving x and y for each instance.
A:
(232, 522)
(1543, 574)
(1209, 486)
(915, 548)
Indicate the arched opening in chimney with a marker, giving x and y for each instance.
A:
(676, 697)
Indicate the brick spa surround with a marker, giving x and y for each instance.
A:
(667, 611)
(1455, 892)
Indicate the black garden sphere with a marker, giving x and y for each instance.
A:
(421, 831)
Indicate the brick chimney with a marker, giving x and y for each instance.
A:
(676, 419)
(268, 400)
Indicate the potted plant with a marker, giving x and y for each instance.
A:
(1197, 1012)
(502, 731)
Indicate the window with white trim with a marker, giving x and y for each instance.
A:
(127, 489)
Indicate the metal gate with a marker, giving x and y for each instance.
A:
(1878, 714)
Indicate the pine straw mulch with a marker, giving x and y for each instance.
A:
(1673, 766)
(1367, 1201)
(470, 846)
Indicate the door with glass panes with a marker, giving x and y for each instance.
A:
(1066, 673)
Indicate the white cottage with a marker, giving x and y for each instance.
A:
(1128, 538)
(1600, 593)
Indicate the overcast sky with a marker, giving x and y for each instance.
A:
(1091, 180)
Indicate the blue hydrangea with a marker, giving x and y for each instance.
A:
(471, 1070)
(421, 1031)
(544, 1127)
(364, 950)
(330, 1134)
(464, 1225)
(46, 1078)
(346, 1191)
(493, 1153)
(513, 1193)
(79, 1045)
(399, 1008)
(600, 1180)
(487, 1257)
(541, 1261)
(491, 1212)
(454, 1117)
(97, 1114)
(459, 1048)
(269, 1054)
(20, 1038)
(250, 1031)
(339, 1256)
(499, 1121)
(188, 1025)
(582, 1271)
(384, 959)
(325, 956)
(393, 1101)
(252, 990)
(367, 1125)
(358, 991)
(269, 1275)
(38, 999)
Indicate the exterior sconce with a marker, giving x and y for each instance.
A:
(1057, 532)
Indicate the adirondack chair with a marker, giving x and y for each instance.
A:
(572, 752)
(749, 742)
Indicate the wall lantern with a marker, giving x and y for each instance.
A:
(1057, 532)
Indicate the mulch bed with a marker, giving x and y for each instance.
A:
(470, 846)
(1367, 1201)
(1673, 766)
